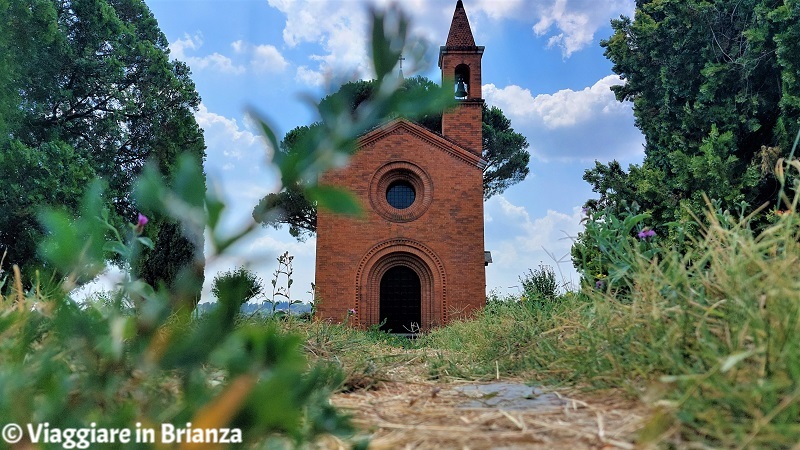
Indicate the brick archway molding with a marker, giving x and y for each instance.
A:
(401, 252)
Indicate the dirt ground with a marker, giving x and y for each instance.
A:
(408, 412)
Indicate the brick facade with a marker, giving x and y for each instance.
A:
(439, 236)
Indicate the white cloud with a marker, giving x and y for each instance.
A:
(571, 125)
(519, 242)
(224, 138)
(564, 108)
(567, 24)
(498, 10)
(338, 27)
(267, 58)
(214, 61)
(576, 21)
(309, 76)
(575, 28)
(264, 58)
(236, 162)
(236, 158)
(270, 245)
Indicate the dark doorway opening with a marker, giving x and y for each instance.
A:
(401, 301)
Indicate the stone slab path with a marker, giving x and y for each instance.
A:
(504, 414)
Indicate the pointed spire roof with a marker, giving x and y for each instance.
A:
(460, 33)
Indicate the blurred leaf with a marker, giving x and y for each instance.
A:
(632, 220)
(150, 190)
(183, 199)
(385, 51)
(118, 247)
(736, 358)
(214, 206)
(147, 242)
(76, 245)
(219, 412)
(336, 200)
(221, 243)
(189, 181)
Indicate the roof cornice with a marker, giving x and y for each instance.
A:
(436, 140)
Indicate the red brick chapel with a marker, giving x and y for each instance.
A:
(415, 259)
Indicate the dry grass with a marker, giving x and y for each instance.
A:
(407, 411)
(419, 415)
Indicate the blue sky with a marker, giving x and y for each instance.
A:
(542, 66)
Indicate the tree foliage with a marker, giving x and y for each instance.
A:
(51, 174)
(708, 81)
(89, 91)
(714, 88)
(503, 149)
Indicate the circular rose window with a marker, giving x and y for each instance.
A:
(400, 191)
(401, 194)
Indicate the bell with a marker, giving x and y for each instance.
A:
(461, 90)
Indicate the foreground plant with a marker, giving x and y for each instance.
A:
(141, 360)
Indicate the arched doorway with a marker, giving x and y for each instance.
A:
(412, 255)
(401, 300)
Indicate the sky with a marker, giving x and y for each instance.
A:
(542, 66)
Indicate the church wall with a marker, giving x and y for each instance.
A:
(451, 227)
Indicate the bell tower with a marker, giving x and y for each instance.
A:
(460, 61)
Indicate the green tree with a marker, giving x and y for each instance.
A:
(708, 88)
(715, 90)
(91, 82)
(503, 149)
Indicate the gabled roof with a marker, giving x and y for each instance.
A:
(434, 139)
(460, 33)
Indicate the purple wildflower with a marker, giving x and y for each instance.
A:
(599, 284)
(141, 222)
(646, 233)
(351, 312)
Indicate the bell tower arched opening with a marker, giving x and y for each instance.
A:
(463, 82)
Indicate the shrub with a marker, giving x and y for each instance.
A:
(241, 283)
(603, 252)
(540, 284)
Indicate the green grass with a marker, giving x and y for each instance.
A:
(711, 335)
(708, 336)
